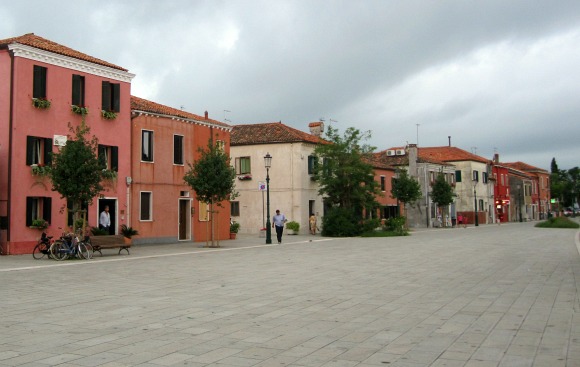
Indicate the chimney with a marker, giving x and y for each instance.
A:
(206, 115)
(449, 137)
(316, 128)
(496, 158)
(412, 151)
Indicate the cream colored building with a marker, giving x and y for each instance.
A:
(291, 188)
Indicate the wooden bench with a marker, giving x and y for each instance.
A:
(114, 241)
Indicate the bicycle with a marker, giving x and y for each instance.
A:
(69, 245)
(42, 248)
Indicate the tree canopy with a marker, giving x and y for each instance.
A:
(442, 194)
(406, 188)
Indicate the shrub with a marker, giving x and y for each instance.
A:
(128, 231)
(369, 225)
(234, 227)
(295, 226)
(340, 222)
(397, 225)
(96, 231)
(558, 222)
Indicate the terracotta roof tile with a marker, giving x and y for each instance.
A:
(140, 104)
(32, 40)
(271, 132)
(524, 167)
(450, 154)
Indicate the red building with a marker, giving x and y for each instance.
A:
(539, 191)
(45, 87)
(501, 191)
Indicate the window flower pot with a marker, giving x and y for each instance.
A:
(41, 103)
(108, 115)
(80, 110)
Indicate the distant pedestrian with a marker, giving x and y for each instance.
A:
(312, 222)
(278, 222)
(105, 220)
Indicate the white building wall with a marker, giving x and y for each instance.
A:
(290, 185)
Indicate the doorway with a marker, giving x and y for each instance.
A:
(184, 220)
(112, 204)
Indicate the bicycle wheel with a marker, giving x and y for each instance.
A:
(58, 250)
(83, 251)
(39, 251)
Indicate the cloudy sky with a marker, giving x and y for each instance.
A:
(495, 75)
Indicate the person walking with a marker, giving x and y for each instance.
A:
(105, 220)
(312, 222)
(278, 222)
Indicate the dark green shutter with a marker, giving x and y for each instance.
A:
(106, 94)
(115, 159)
(76, 90)
(29, 211)
(47, 209)
(39, 82)
(457, 176)
(116, 100)
(29, 149)
(47, 152)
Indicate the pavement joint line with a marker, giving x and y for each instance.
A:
(126, 258)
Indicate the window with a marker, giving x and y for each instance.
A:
(38, 150)
(480, 205)
(220, 145)
(78, 90)
(484, 177)
(312, 164)
(203, 211)
(39, 82)
(38, 208)
(243, 165)
(475, 176)
(111, 97)
(451, 178)
(146, 205)
(177, 149)
(147, 146)
(457, 176)
(235, 208)
(431, 177)
(383, 185)
(109, 157)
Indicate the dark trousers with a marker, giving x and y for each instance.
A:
(279, 231)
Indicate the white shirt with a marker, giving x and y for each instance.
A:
(105, 219)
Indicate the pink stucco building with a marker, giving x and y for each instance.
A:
(41, 82)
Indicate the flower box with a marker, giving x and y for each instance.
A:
(245, 177)
(108, 115)
(41, 103)
(80, 110)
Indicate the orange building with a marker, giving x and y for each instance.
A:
(163, 208)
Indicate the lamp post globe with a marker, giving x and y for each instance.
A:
(268, 164)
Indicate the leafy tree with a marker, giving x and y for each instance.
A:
(346, 180)
(406, 189)
(212, 178)
(442, 194)
(76, 172)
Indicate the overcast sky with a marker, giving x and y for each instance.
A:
(497, 76)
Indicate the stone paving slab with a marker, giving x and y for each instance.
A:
(478, 296)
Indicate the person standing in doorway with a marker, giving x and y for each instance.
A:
(278, 222)
(312, 222)
(105, 220)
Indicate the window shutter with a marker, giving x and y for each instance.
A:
(106, 94)
(115, 159)
(101, 155)
(29, 203)
(39, 82)
(47, 209)
(116, 97)
(47, 151)
(76, 90)
(457, 176)
(29, 149)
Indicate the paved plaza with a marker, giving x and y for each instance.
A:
(480, 296)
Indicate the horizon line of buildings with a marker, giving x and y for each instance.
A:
(146, 148)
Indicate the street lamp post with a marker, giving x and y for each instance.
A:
(268, 164)
(475, 202)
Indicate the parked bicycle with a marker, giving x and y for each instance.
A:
(42, 248)
(69, 245)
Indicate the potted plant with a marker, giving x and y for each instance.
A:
(128, 232)
(293, 227)
(234, 228)
(39, 224)
(80, 110)
(41, 103)
(108, 115)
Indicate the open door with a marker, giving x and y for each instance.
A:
(184, 220)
